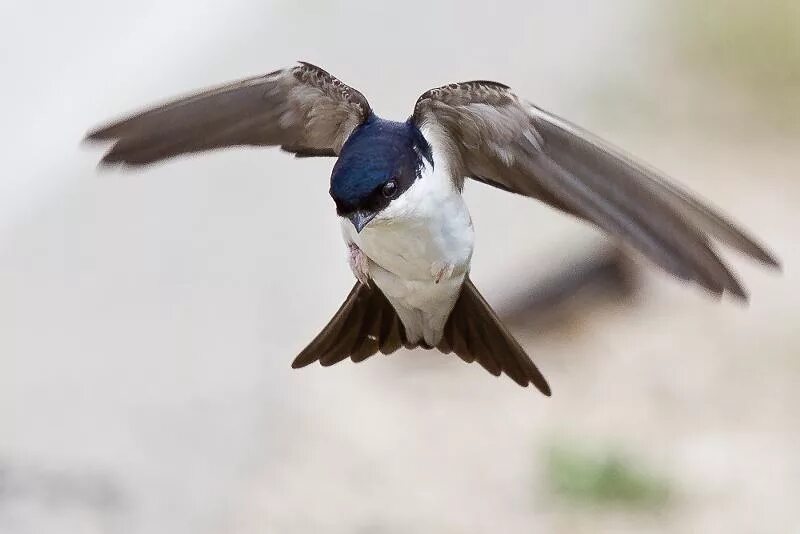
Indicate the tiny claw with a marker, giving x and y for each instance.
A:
(446, 271)
(359, 263)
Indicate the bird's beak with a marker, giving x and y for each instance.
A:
(360, 219)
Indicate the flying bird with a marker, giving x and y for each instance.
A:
(397, 190)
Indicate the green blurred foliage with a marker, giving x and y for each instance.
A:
(754, 45)
(603, 478)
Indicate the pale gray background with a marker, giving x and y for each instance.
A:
(147, 320)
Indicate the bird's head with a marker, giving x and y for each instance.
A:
(379, 162)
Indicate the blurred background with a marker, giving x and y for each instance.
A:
(148, 319)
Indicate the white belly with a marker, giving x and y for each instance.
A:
(420, 249)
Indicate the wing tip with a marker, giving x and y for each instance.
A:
(739, 295)
(541, 384)
(98, 135)
(118, 160)
(770, 261)
(759, 253)
(717, 291)
(110, 159)
(302, 361)
(737, 290)
(538, 380)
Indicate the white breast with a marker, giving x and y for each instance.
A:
(426, 231)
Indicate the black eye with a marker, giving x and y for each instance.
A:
(389, 189)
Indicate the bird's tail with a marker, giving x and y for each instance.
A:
(367, 324)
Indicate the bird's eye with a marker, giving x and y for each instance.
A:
(389, 189)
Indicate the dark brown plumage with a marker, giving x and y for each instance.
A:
(302, 109)
(367, 324)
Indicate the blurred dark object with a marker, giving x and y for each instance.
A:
(601, 277)
(45, 499)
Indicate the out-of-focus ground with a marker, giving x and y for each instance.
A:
(147, 320)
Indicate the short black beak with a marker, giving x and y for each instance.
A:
(360, 219)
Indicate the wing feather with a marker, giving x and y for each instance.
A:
(612, 161)
(303, 109)
(500, 140)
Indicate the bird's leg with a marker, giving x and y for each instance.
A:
(441, 271)
(359, 263)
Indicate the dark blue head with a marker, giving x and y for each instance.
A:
(379, 161)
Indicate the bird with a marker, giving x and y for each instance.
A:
(397, 190)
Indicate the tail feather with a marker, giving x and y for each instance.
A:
(367, 324)
(475, 333)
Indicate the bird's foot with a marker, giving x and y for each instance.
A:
(359, 263)
(442, 271)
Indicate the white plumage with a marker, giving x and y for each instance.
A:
(419, 248)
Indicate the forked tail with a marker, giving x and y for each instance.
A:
(367, 324)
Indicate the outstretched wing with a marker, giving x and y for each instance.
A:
(303, 109)
(495, 137)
